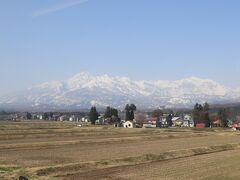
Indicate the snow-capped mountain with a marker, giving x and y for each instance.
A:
(84, 90)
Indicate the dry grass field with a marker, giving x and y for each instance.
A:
(54, 150)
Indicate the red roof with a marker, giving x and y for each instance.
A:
(200, 125)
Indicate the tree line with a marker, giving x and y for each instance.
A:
(201, 114)
(111, 114)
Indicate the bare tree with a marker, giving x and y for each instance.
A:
(157, 113)
(140, 118)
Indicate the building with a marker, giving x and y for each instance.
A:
(200, 125)
(216, 123)
(84, 119)
(63, 118)
(151, 122)
(163, 121)
(177, 121)
(40, 117)
(72, 118)
(128, 124)
(188, 121)
(187, 117)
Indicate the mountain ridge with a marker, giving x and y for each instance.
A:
(84, 89)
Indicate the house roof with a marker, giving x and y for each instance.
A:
(175, 118)
(217, 122)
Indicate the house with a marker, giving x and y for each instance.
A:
(14, 117)
(216, 123)
(128, 124)
(102, 121)
(116, 125)
(187, 117)
(151, 122)
(63, 118)
(236, 127)
(163, 120)
(188, 121)
(40, 117)
(119, 124)
(72, 118)
(85, 119)
(236, 124)
(200, 125)
(177, 121)
(55, 117)
(149, 125)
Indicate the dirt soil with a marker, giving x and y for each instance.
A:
(53, 150)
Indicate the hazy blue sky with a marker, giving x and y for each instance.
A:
(143, 39)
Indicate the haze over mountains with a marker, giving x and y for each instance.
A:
(84, 89)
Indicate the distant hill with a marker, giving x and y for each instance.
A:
(83, 90)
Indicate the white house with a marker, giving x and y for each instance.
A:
(62, 118)
(149, 125)
(163, 120)
(128, 124)
(187, 117)
(150, 122)
(40, 117)
(72, 118)
(177, 121)
(188, 121)
(84, 119)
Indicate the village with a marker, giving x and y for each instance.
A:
(130, 117)
(143, 120)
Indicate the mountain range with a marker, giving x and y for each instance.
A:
(84, 90)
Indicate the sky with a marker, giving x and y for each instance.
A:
(46, 40)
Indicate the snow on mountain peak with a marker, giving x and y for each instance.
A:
(84, 88)
(48, 85)
(81, 76)
(79, 79)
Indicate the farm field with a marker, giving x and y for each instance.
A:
(57, 150)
